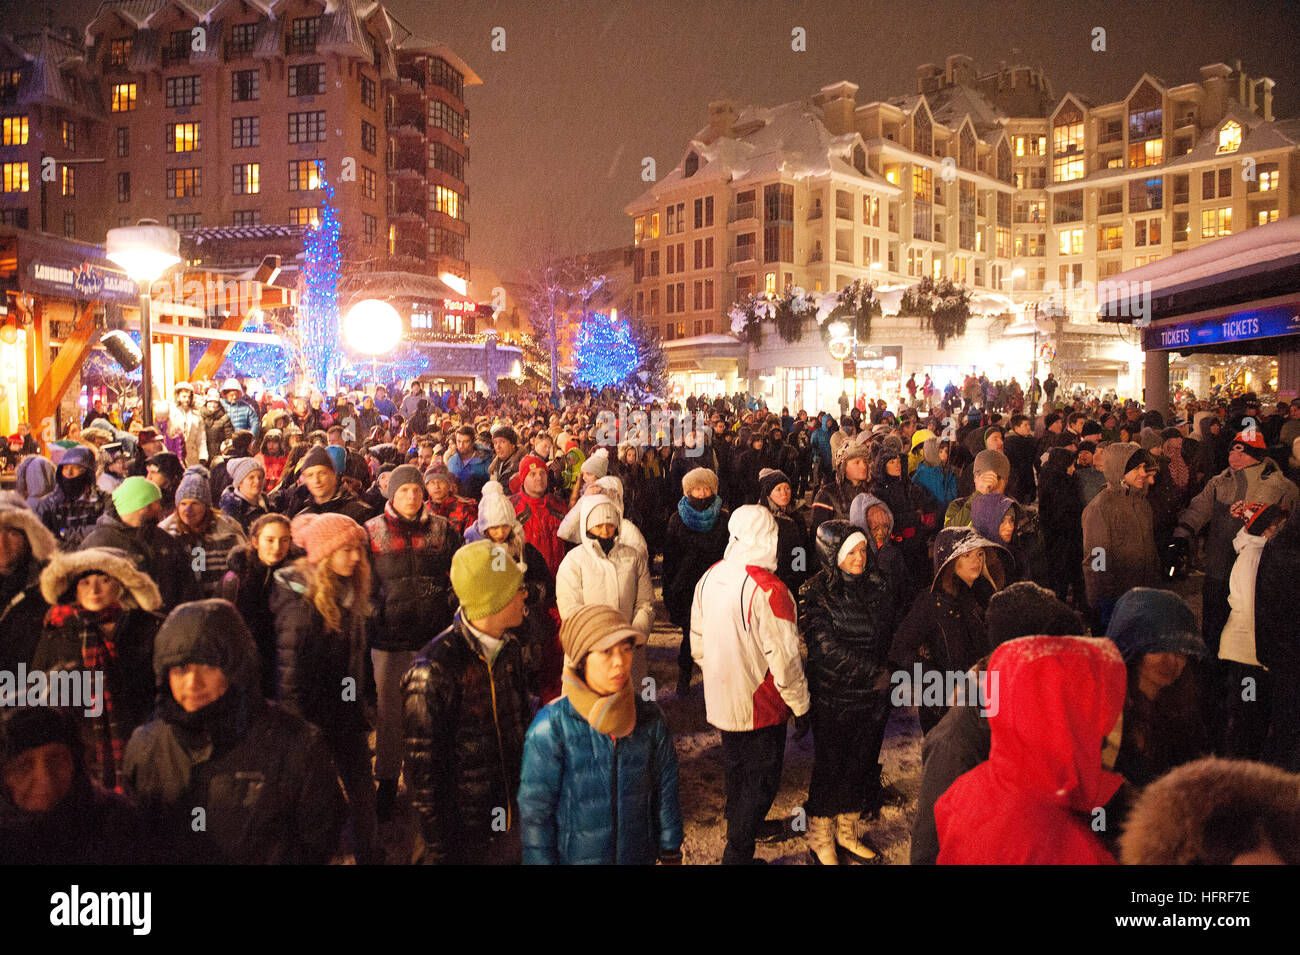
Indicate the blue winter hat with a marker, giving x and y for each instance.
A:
(339, 456)
(1147, 620)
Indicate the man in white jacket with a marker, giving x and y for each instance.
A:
(745, 638)
(604, 569)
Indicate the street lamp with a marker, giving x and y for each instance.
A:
(372, 327)
(144, 252)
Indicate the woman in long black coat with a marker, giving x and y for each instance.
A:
(845, 617)
(1060, 515)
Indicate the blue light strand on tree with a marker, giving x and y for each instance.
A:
(604, 353)
(268, 363)
(319, 311)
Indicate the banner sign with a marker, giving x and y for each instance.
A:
(1233, 327)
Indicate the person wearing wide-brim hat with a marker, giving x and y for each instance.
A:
(600, 734)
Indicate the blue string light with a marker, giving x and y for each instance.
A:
(319, 309)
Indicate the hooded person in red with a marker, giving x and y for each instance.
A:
(1051, 701)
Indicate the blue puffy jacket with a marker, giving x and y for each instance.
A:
(586, 799)
(941, 483)
(821, 443)
(242, 415)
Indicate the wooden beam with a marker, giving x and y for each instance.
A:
(273, 296)
(63, 372)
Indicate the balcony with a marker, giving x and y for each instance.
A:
(742, 254)
(173, 53)
(407, 163)
(742, 211)
(815, 212)
(844, 212)
(300, 45)
(410, 78)
(238, 50)
(407, 125)
(411, 249)
(407, 207)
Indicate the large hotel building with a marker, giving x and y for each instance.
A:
(216, 119)
(990, 180)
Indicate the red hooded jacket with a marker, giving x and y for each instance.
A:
(1051, 702)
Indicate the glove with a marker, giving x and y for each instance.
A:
(802, 724)
(1177, 557)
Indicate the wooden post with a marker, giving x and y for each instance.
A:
(63, 371)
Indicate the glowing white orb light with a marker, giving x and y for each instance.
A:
(372, 326)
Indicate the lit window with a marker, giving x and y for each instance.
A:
(305, 215)
(304, 175)
(1268, 177)
(769, 283)
(15, 131)
(69, 181)
(447, 201)
(183, 183)
(1229, 138)
(15, 177)
(1216, 222)
(1070, 242)
(182, 137)
(1265, 216)
(654, 226)
(123, 97)
(246, 179)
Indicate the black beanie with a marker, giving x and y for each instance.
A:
(1139, 457)
(317, 457)
(769, 479)
(1025, 609)
(29, 727)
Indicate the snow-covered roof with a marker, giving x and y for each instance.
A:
(952, 104)
(697, 340)
(228, 232)
(1260, 249)
(402, 285)
(789, 141)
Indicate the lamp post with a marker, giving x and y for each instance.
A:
(144, 252)
(373, 327)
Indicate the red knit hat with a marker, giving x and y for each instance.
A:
(529, 463)
(320, 535)
(1253, 440)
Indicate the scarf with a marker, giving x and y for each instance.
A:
(699, 521)
(98, 653)
(1178, 470)
(613, 715)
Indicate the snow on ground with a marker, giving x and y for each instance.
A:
(703, 792)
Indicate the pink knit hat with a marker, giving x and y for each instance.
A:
(322, 534)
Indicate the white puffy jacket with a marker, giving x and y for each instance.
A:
(1237, 642)
(621, 579)
(744, 631)
(628, 532)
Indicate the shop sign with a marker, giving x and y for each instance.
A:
(86, 281)
(1232, 327)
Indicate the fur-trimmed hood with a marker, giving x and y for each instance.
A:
(1168, 823)
(41, 542)
(64, 568)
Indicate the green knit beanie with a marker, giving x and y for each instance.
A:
(485, 578)
(135, 493)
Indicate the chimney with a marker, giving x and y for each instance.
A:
(925, 77)
(1214, 79)
(1266, 99)
(722, 115)
(839, 100)
(960, 69)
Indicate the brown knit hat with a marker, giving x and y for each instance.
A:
(699, 477)
(320, 535)
(595, 627)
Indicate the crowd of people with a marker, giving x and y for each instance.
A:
(301, 615)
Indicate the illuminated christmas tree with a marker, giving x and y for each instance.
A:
(604, 353)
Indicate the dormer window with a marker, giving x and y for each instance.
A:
(860, 159)
(1229, 138)
(692, 165)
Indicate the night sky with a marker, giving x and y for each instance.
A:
(585, 90)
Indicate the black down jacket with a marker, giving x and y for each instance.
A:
(687, 555)
(264, 778)
(464, 725)
(845, 621)
(412, 583)
(312, 664)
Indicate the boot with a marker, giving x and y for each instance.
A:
(385, 799)
(683, 682)
(821, 841)
(847, 837)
